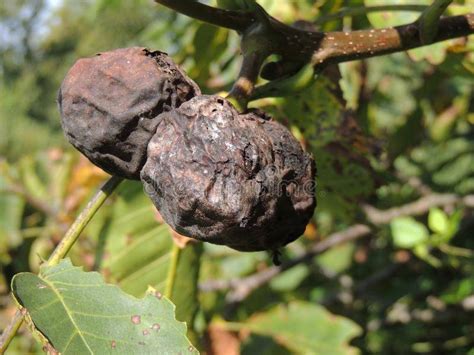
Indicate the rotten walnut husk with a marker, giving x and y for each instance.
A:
(241, 180)
(109, 105)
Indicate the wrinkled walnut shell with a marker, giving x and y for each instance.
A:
(241, 180)
(109, 104)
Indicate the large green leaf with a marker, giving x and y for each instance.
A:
(80, 314)
(305, 328)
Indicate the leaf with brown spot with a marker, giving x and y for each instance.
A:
(80, 314)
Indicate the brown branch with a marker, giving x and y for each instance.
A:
(338, 47)
(361, 288)
(323, 48)
(419, 207)
(234, 20)
(241, 288)
(31, 200)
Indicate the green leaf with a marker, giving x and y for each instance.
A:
(305, 328)
(290, 279)
(434, 53)
(209, 45)
(438, 221)
(142, 262)
(81, 314)
(424, 254)
(337, 259)
(185, 289)
(408, 233)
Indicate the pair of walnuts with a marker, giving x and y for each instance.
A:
(241, 180)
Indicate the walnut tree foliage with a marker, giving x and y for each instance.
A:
(386, 133)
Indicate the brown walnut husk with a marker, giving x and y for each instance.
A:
(109, 105)
(241, 180)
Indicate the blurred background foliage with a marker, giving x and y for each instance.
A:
(384, 132)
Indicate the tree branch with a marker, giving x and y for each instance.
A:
(30, 199)
(234, 20)
(241, 288)
(323, 48)
(337, 47)
(295, 45)
(419, 207)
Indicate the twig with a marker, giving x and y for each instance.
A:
(242, 287)
(419, 207)
(244, 85)
(430, 18)
(234, 20)
(82, 220)
(415, 183)
(173, 267)
(31, 200)
(366, 283)
(11, 329)
(63, 248)
(322, 48)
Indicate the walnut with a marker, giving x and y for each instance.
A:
(241, 180)
(109, 105)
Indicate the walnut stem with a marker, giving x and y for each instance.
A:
(244, 85)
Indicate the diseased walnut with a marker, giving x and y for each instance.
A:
(227, 178)
(109, 105)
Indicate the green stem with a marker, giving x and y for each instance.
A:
(82, 220)
(171, 277)
(363, 10)
(429, 20)
(11, 330)
(63, 248)
(245, 83)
